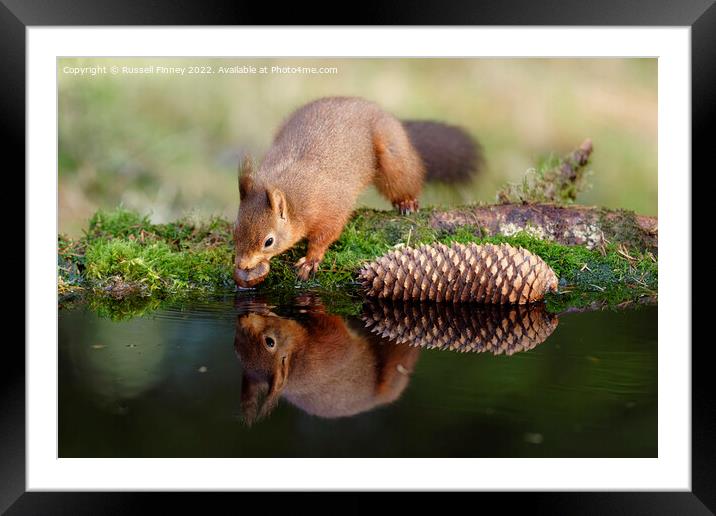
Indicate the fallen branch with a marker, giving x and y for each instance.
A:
(589, 226)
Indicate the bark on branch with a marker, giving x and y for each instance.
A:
(590, 226)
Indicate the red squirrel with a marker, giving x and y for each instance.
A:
(322, 157)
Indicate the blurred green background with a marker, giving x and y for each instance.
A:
(169, 145)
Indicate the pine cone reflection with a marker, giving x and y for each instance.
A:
(497, 329)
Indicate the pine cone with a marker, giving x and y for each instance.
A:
(491, 274)
(495, 329)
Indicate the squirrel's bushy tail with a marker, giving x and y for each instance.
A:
(450, 155)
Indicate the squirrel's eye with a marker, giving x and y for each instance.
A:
(269, 342)
(268, 242)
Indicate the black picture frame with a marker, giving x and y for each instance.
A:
(17, 15)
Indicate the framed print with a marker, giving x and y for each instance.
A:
(364, 258)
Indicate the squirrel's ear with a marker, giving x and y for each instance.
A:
(277, 201)
(250, 391)
(246, 181)
(278, 382)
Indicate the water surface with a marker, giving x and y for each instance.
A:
(241, 377)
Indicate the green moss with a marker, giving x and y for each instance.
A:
(158, 266)
(179, 260)
(117, 224)
(161, 260)
(622, 226)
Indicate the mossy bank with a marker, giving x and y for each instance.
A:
(125, 265)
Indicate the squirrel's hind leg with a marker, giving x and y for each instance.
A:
(400, 171)
(406, 207)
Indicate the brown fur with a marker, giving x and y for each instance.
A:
(323, 156)
(319, 364)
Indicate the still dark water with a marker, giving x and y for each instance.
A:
(236, 377)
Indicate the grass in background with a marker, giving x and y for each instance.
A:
(170, 145)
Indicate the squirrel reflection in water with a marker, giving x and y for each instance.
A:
(331, 366)
(319, 362)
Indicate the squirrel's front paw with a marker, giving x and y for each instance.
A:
(306, 268)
